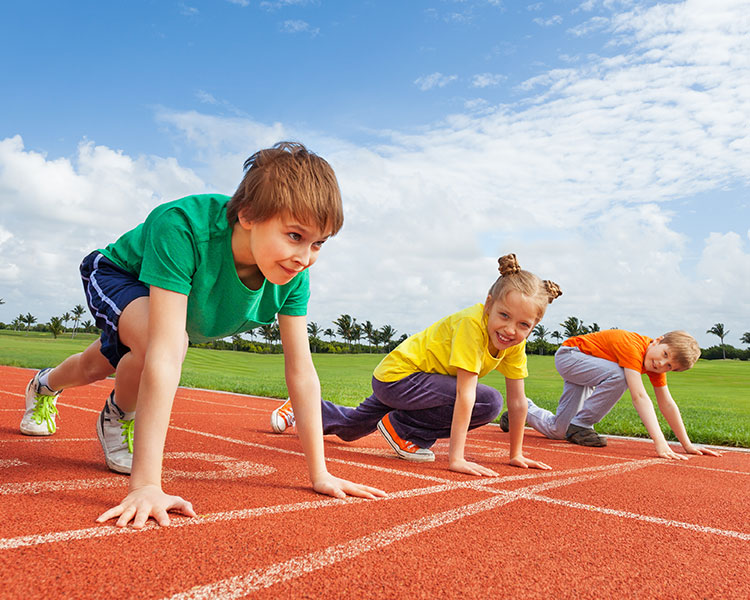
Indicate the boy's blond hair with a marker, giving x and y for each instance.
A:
(288, 179)
(683, 347)
(514, 278)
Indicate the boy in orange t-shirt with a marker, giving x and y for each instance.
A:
(598, 367)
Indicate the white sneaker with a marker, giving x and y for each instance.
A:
(282, 417)
(115, 430)
(41, 408)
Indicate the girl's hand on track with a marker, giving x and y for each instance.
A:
(700, 450)
(144, 502)
(669, 453)
(470, 468)
(341, 488)
(527, 463)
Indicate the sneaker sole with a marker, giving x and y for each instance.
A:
(275, 425)
(37, 433)
(405, 455)
(110, 465)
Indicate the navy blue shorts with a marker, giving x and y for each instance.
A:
(109, 289)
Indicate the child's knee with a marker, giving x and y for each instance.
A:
(489, 403)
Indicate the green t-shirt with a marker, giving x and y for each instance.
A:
(185, 246)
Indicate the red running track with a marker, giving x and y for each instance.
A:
(612, 522)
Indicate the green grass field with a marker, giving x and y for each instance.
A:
(713, 396)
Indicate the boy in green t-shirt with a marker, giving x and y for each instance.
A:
(200, 268)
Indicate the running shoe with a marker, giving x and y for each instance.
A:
(41, 408)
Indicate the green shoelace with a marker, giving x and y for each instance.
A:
(44, 410)
(127, 432)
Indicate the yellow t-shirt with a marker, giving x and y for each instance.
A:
(457, 341)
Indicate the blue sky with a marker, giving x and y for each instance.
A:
(606, 142)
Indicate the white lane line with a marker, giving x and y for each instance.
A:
(256, 579)
(39, 487)
(250, 513)
(241, 585)
(646, 518)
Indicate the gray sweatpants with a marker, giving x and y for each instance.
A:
(592, 388)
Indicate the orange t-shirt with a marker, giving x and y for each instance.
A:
(625, 348)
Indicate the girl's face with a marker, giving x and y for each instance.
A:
(509, 321)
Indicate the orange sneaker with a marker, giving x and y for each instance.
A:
(283, 417)
(404, 448)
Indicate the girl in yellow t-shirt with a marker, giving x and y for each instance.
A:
(427, 388)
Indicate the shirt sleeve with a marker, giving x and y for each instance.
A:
(169, 255)
(295, 304)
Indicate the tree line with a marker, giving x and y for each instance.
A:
(376, 339)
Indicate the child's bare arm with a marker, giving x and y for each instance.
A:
(304, 391)
(645, 409)
(517, 409)
(466, 396)
(158, 384)
(671, 412)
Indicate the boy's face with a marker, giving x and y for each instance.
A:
(509, 321)
(658, 358)
(281, 247)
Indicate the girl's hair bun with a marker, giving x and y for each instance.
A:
(553, 290)
(508, 265)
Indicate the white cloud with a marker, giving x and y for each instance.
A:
(299, 26)
(580, 179)
(428, 82)
(483, 80)
(589, 26)
(58, 210)
(550, 21)
(277, 4)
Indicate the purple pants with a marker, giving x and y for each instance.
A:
(421, 407)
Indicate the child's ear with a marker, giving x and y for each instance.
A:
(244, 222)
(658, 340)
(488, 304)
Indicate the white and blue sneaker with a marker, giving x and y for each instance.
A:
(41, 408)
(115, 430)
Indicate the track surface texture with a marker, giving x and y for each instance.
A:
(612, 522)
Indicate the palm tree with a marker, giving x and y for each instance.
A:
(329, 334)
(266, 332)
(56, 326)
(275, 332)
(313, 330)
(344, 326)
(78, 311)
(65, 318)
(718, 330)
(87, 326)
(370, 333)
(19, 320)
(556, 336)
(573, 327)
(594, 327)
(540, 332)
(386, 333)
(356, 332)
(29, 319)
(745, 339)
